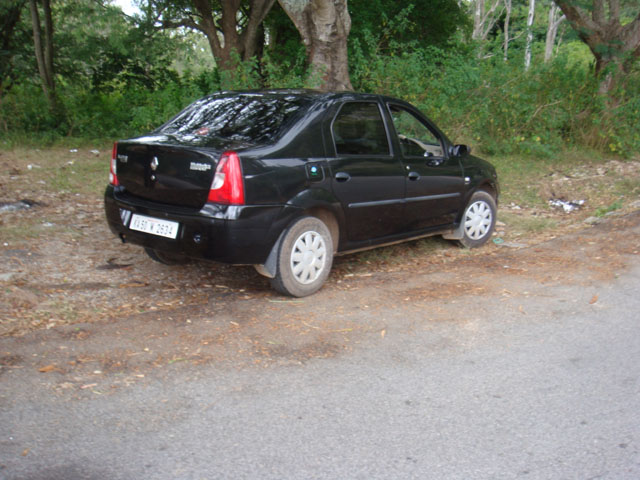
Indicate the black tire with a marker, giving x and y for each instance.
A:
(166, 258)
(305, 257)
(478, 220)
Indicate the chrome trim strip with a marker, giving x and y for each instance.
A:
(375, 203)
(433, 197)
(378, 203)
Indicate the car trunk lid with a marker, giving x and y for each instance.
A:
(164, 170)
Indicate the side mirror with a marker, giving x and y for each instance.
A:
(461, 150)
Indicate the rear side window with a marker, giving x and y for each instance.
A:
(243, 118)
(358, 129)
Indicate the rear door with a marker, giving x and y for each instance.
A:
(434, 181)
(366, 178)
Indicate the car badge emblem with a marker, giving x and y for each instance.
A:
(154, 163)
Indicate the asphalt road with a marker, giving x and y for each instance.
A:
(542, 386)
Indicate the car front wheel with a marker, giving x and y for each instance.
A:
(304, 259)
(478, 220)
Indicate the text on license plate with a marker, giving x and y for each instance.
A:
(154, 226)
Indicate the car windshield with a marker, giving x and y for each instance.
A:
(243, 118)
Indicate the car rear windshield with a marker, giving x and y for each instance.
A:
(243, 118)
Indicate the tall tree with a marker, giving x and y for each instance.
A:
(485, 16)
(555, 19)
(324, 26)
(507, 20)
(530, 18)
(43, 43)
(232, 27)
(615, 46)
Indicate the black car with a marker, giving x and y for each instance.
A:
(284, 180)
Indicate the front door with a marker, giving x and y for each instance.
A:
(434, 182)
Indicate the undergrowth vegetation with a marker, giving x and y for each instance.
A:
(477, 98)
(494, 106)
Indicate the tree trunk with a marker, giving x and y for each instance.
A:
(507, 20)
(324, 26)
(227, 40)
(478, 25)
(615, 46)
(253, 33)
(552, 30)
(483, 19)
(48, 40)
(44, 50)
(527, 50)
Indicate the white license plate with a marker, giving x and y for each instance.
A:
(154, 226)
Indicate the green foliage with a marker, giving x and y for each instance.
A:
(419, 22)
(118, 79)
(16, 42)
(121, 108)
(496, 105)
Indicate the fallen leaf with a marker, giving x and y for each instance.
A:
(593, 300)
(25, 452)
(383, 333)
(134, 285)
(521, 309)
(113, 265)
(47, 369)
(90, 385)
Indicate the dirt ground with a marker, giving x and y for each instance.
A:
(92, 315)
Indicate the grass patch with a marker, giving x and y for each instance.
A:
(627, 187)
(29, 172)
(519, 178)
(519, 225)
(602, 211)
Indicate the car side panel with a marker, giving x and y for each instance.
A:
(435, 197)
(370, 188)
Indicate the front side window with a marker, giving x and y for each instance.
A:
(416, 139)
(358, 129)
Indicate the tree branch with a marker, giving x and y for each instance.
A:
(577, 17)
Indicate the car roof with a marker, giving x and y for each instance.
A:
(311, 94)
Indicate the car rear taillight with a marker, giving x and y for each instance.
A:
(227, 186)
(113, 178)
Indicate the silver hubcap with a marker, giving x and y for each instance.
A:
(477, 220)
(308, 257)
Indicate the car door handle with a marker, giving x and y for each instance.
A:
(342, 176)
(414, 176)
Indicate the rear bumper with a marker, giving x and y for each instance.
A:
(228, 234)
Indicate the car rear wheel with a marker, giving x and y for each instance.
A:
(478, 220)
(304, 259)
(165, 257)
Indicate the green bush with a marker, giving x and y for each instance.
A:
(500, 108)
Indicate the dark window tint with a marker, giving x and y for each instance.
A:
(244, 118)
(358, 130)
